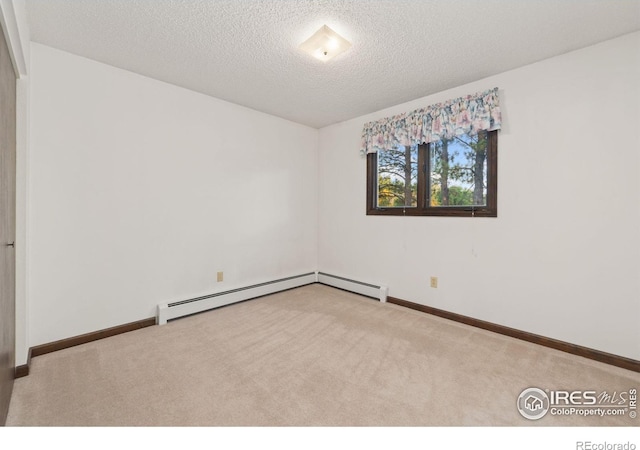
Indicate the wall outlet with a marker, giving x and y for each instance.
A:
(220, 276)
(434, 282)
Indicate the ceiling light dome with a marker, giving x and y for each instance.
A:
(325, 44)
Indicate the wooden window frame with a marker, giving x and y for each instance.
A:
(423, 208)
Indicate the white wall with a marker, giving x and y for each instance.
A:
(563, 257)
(141, 191)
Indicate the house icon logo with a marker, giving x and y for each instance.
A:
(533, 403)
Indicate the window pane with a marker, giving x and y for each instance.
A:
(398, 177)
(458, 175)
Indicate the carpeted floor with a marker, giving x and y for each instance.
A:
(307, 357)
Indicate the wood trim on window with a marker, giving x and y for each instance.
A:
(422, 209)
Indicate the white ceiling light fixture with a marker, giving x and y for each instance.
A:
(325, 44)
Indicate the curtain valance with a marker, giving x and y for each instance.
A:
(463, 115)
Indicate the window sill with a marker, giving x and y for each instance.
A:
(436, 212)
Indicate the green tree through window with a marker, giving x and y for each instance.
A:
(398, 177)
(455, 177)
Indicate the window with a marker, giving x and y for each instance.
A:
(453, 177)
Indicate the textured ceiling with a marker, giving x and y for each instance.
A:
(246, 51)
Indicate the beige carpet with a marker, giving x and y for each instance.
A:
(309, 356)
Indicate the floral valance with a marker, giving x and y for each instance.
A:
(464, 115)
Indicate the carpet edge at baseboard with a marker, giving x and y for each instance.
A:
(574, 349)
(585, 352)
(23, 370)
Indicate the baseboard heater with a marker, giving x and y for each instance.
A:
(174, 310)
(169, 311)
(367, 289)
